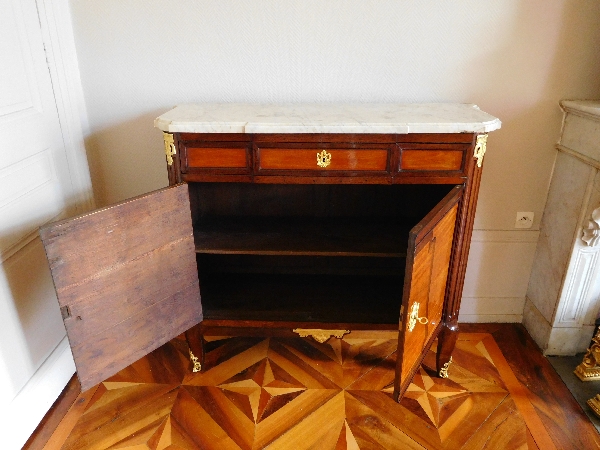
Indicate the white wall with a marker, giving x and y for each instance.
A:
(515, 59)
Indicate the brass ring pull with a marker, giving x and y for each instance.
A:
(323, 159)
(413, 317)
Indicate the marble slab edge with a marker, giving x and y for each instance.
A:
(349, 119)
(588, 108)
(299, 129)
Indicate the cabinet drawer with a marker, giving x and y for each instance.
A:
(220, 158)
(432, 158)
(317, 159)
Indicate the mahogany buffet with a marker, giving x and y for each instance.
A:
(280, 220)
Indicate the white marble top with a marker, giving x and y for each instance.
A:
(327, 118)
(591, 107)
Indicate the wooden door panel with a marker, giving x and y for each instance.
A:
(116, 234)
(428, 260)
(126, 279)
(127, 287)
(101, 355)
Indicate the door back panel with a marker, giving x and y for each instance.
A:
(126, 279)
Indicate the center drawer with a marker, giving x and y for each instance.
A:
(316, 159)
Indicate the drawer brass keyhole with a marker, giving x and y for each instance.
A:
(413, 317)
(323, 159)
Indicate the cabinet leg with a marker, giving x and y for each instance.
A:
(446, 343)
(396, 394)
(195, 341)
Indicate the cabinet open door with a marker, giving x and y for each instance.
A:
(126, 279)
(425, 285)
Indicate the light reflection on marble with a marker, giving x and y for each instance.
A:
(556, 340)
(582, 128)
(593, 289)
(568, 341)
(564, 288)
(327, 118)
(557, 232)
(536, 324)
(585, 106)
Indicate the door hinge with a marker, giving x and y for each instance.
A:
(65, 312)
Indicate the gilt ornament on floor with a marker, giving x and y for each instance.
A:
(589, 369)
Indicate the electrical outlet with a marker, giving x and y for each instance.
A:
(524, 219)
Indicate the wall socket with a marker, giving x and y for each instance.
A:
(524, 219)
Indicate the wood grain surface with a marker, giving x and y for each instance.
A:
(381, 237)
(306, 159)
(126, 279)
(427, 265)
(286, 393)
(431, 160)
(217, 157)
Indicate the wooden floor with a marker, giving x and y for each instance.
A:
(297, 394)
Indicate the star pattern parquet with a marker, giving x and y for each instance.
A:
(293, 393)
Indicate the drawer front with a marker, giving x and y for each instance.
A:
(450, 160)
(443, 159)
(319, 160)
(204, 158)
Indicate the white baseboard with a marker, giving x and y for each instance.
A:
(491, 309)
(490, 318)
(497, 276)
(28, 408)
(500, 264)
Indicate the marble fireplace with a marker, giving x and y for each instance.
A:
(563, 297)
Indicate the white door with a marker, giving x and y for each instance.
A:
(34, 176)
(35, 188)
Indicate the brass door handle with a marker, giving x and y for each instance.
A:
(413, 317)
(323, 159)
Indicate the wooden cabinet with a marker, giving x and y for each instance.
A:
(310, 233)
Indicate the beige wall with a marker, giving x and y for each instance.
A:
(515, 59)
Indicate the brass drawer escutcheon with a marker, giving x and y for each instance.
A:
(320, 335)
(323, 159)
(413, 317)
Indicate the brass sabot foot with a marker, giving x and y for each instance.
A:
(444, 369)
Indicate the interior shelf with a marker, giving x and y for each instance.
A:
(320, 298)
(301, 236)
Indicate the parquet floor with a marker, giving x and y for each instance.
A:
(293, 393)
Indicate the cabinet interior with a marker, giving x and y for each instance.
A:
(307, 253)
